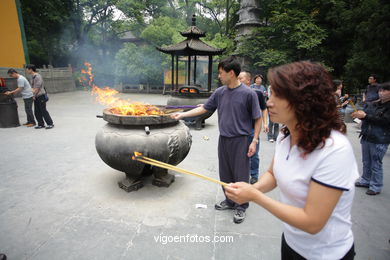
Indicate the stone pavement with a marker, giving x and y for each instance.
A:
(59, 200)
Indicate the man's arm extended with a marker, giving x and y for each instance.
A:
(16, 91)
(193, 112)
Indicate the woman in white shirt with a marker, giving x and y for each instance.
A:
(313, 166)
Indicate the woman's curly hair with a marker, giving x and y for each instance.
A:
(308, 88)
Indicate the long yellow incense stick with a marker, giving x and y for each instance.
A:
(174, 168)
(353, 105)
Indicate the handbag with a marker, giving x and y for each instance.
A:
(45, 96)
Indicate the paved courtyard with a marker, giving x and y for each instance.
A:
(59, 200)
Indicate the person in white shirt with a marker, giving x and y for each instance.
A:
(23, 87)
(313, 166)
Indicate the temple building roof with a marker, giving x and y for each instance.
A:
(192, 45)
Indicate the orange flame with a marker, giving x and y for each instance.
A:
(106, 96)
(136, 154)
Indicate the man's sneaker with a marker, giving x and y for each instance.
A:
(223, 205)
(371, 192)
(253, 180)
(239, 216)
(271, 140)
(49, 126)
(30, 124)
(361, 185)
(39, 127)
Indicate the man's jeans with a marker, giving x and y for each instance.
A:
(273, 130)
(372, 155)
(254, 161)
(28, 102)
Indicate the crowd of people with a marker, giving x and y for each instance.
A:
(308, 166)
(34, 93)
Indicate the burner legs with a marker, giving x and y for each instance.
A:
(162, 178)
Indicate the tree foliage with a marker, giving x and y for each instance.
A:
(160, 26)
(350, 37)
(129, 70)
(44, 23)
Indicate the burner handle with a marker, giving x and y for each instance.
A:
(147, 130)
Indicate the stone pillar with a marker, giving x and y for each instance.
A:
(249, 18)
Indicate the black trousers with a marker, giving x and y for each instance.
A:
(29, 112)
(41, 111)
(233, 162)
(289, 254)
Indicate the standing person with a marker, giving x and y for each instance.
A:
(238, 108)
(341, 101)
(40, 99)
(371, 93)
(273, 127)
(313, 166)
(25, 88)
(375, 139)
(245, 78)
(257, 84)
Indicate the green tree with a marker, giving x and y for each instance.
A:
(350, 37)
(45, 24)
(138, 64)
(145, 64)
(289, 33)
(162, 30)
(370, 52)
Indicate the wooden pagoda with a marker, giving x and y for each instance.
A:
(191, 47)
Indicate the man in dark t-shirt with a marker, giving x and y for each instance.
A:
(238, 114)
(371, 93)
(245, 78)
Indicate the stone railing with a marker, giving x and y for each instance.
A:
(55, 80)
(142, 88)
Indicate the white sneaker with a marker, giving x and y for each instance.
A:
(271, 140)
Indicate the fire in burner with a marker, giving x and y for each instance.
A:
(136, 109)
(107, 97)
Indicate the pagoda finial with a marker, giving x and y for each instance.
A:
(193, 20)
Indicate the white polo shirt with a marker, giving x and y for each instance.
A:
(334, 166)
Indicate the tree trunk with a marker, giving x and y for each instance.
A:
(227, 16)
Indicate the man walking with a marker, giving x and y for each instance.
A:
(40, 99)
(371, 93)
(245, 78)
(25, 88)
(238, 113)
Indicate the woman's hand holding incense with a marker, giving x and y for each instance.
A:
(241, 192)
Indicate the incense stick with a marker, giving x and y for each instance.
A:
(353, 105)
(177, 169)
(174, 168)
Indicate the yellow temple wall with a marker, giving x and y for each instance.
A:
(12, 53)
